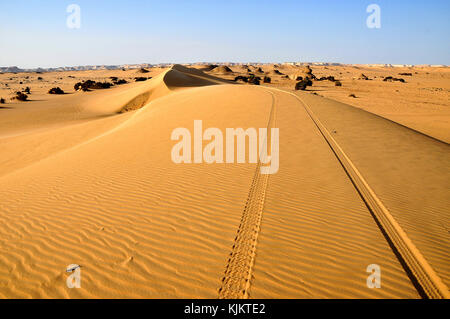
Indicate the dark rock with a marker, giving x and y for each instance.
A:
(300, 86)
(277, 72)
(89, 84)
(254, 80)
(101, 85)
(327, 78)
(141, 79)
(20, 96)
(119, 82)
(83, 86)
(363, 77)
(241, 78)
(56, 90)
(303, 84)
(392, 79)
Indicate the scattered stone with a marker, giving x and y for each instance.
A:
(89, 84)
(83, 86)
(252, 79)
(56, 90)
(267, 79)
(20, 96)
(352, 95)
(300, 86)
(2, 101)
(327, 78)
(392, 79)
(307, 81)
(256, 80)
(102, 85)
(363, 77)
(337, 83)
(27, 90)
(119, 82)
(241, 78)
(406, 74)
(141, 79)
(303, 84)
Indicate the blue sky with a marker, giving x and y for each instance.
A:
(34, 33)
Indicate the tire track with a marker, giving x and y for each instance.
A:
(238, 271)
(422, 275)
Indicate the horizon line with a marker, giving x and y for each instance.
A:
(219, 62)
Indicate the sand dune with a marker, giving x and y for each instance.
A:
(222, 69)
(89, 180)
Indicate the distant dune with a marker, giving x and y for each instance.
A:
(222, 69)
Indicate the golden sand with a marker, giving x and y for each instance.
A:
(86, 178)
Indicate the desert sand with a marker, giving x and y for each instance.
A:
(87, 178)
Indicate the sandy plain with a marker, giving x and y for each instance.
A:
(87, 178)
